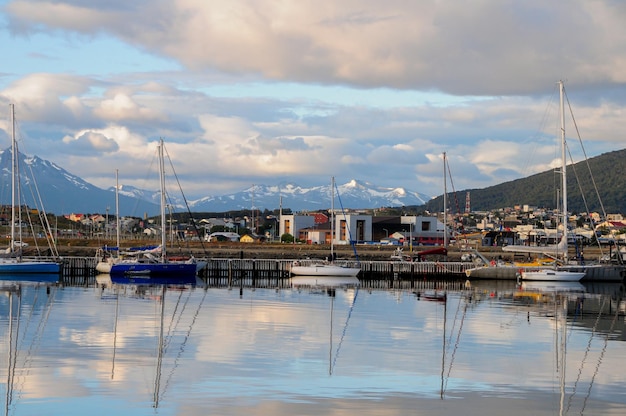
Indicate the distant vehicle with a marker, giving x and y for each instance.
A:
(222, 236)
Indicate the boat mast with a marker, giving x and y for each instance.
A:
(117, 211)
(13, 172)
(332, 217)
(563, 169)
(445, 204)
(162, 178)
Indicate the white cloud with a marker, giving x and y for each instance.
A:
(92, 141)
(123, 107)
(498, 60)
(485, 48)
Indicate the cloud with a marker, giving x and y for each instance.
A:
(89, 141)
(38, 96)
(489, 48)
(251, 94)
(123, 107)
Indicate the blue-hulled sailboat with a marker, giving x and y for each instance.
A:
(152, 265)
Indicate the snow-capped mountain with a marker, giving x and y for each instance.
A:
(64, 193)
(354, 194)
(61, 192)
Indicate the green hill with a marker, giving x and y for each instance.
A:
(609, 174)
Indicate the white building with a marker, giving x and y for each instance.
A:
(293, 224)
(355, 227)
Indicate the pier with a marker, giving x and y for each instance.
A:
(234, 270)
(279, 268)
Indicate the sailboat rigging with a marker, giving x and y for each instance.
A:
(105, 258)
(555, 273)
(330, 267)
(150, 265)
(558, 268)
(13, 262)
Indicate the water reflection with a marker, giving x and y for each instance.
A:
(134, 347)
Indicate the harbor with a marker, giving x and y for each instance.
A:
(238, 269)
(220, 347)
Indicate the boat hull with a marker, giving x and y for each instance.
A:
(593, 273)
(104, 266)
(30, 267)
(553, 275)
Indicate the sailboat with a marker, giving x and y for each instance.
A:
(149, 265)
(12, 262)
(325, 268)
(105, 258)
(558, 269)
(556, 273)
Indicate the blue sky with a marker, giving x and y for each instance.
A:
(263, 92)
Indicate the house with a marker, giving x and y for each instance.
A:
(320, 217)
(358, 228)
(97, 220)
(318, 234)
(348, 228)
(75, 217)
(293, 224)
(152, 232)
(353, 228)
(251, 238)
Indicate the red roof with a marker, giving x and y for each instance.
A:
(320, 218)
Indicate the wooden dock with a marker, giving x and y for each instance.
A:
(232, 269)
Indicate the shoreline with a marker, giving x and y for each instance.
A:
(88, 248)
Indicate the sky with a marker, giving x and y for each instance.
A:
(247, 92)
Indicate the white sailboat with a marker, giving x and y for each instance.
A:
(546, 272)
(325, 268)
(561, 274)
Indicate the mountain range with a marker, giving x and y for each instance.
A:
(60, 191)
(65, 193)
(594, 185)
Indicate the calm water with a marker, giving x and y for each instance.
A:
(140, 350)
